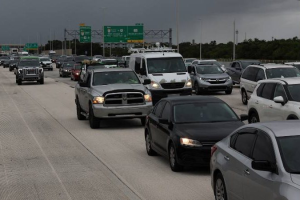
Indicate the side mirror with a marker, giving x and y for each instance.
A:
(189, 69)
(82, 84)
(143, 72)
(163, 121)
(244, 117)
(279, 100)
(147, 82)
(264, 165)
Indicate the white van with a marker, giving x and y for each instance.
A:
(167, 73)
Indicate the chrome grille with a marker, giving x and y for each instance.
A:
(124, 98)
(172, 85)
(30, 71)
(216, 81)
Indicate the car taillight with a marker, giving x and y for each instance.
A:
(213, 150)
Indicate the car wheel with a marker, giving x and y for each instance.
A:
(149, 149)
(19, 81)
(244, 97)
(228, 91)
(173, 159)
(143, 121)
(10, 69)
(71, 78)
(79, 110)
(41, 80)
(220, 188)
(94, 121)
(197, 89)
(254, 118)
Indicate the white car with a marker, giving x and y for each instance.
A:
(46, 63)
(97, 57)
(255, 73)
(295, 64)
(275, 100)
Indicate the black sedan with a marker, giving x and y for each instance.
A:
(184, 129)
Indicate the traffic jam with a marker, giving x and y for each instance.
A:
(250, 156)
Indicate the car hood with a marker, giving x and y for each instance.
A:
(27, 67)
(296, 178)
(219, 76)
(46, 62)
(208, 131)
(101, 89)
(169, 77)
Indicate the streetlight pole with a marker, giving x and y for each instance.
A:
(233, 57)
(103, 8)
(200, 44)
(177, 17)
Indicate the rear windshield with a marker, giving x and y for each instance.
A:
(282, 73)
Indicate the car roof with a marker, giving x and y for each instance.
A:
(292, 63)
(279, 129)
(272, 66)
(113, 69)
(157, 55)
(288, 81)
(192, 99)
(254, 61)
(29, 57)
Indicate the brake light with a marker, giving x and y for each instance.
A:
(213, 150)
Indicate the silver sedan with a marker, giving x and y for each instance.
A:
(258, 161)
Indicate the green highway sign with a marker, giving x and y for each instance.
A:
(31, 46)
(5, 48)
(85, 34)
(128, 34)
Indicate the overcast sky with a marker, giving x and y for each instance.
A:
(23, 20)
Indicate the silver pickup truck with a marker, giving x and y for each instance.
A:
(111, 94)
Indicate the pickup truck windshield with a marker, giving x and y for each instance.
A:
(165, 65)
(115, 77)
(29, 63)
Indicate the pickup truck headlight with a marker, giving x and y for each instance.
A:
(148, 98)
(188, 83)
(155, 85)
(190, 142)
(98, 100)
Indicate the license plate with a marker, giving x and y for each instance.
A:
(31, 71)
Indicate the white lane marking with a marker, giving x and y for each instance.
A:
(40, 147)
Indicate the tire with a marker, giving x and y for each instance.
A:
(244, 97)
(10, 69)
(19, 81)
(254, 118)
(228, 91)
(197, 89)
(41, 81)
(175, 167)
(79, 110)
(94, 121)
(220, 188)
(149, 149)
(292, 118)
(143, 121)
(59, 74)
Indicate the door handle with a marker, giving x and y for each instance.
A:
(256, 102)
(226, 158)
(247, 172)
(270, 106)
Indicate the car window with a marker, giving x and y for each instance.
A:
(245, 74)
(252, 73)
(260, 89)
(233, 139)
(268, 90)
(166, 112)
(260, 75)
(263, 148)
(137, 65)
(279, 91)
(244, 143)
(159, 108)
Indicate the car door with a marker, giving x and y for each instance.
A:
(193, 74)
(266, 105)
(86, 92)
(249, 82)
(279, 111)
(163, 132)
(235, 71)
(260, 185)
(233, 163)
(153, 123)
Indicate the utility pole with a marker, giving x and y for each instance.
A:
(75, 44)
(233, 57)
(177, 17)
(237, 37)
(103, 8)
(200, 39)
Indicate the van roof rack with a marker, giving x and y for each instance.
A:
(152, 49)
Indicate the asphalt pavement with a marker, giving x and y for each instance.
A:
(46, 153)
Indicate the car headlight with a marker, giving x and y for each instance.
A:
(148, 98)
(77, 73)
(41, 70)
(190, 142)
(155, 85)
(98, 100)
(188, 83)
(65, 70)
(20, 70)
(229, 78)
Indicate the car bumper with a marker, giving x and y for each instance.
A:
(76, 77)
(205, 86)
(138, 111)
(66, 73)
(194, 156)
(159, 94)
(47, 67)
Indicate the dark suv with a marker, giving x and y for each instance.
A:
(237, 67)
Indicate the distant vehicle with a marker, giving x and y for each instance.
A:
(258, 162)
(13, 64)
(275, 100)
(79, 59)
(29, 70)
(209, 62)
(23, 53)
(46, 63)
(295, 64)
(53, 58)
(4, 58)
(254, 73)
(109, 63)
(5, 63)
(166, 70)
(14, 51)
(75, 72)
(97, 57)
(183, 129)
(188, 61)
(126, 60)
(209, 78)
(236, 69)
(66, 69)
(52, 53)
(111, 94)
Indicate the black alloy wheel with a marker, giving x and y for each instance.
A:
(197, 89)
(173, 159)
(78, 111)
(94, 121)
(149, 149)
(254, 118)
(244, 97)
(229, 91)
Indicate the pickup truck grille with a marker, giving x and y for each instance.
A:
(31, 71)
(172, 85)
(124, 98)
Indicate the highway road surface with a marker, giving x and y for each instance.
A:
(46, 153)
